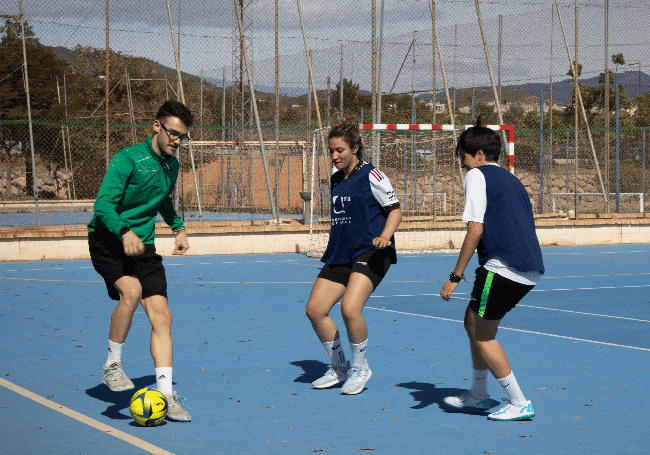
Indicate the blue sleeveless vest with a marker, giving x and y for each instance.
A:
(508, 225)
(356, 217)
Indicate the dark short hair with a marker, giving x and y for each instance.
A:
(176, 109)
(348, 129)
(478, 138)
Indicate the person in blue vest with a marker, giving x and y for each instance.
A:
(365, 213)
(500, 226)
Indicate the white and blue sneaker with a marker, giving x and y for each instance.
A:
(357, 378)
(512, 412)
(466, 400)
(332, 376)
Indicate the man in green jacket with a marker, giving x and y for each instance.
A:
(136, 187)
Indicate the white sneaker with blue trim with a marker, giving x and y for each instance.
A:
(512, 412)
(357, 378)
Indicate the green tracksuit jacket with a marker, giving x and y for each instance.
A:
(135, 189)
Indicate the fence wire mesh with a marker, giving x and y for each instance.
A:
(66, 43)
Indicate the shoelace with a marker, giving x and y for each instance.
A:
(113, 371)
(180, 401)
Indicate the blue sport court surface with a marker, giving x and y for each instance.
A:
(245, 355)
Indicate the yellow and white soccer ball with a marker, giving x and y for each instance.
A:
(148, 407)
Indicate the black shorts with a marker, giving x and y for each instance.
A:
(109, 260)
(374, 264)
(493, 295)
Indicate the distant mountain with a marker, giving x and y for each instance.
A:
(633, 81)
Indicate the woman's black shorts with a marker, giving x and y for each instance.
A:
(109, 260)
(374, 264)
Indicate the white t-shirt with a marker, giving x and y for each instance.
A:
(475, 206)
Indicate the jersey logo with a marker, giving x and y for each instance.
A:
(342, 199)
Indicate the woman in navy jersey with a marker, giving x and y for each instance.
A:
(364, 216)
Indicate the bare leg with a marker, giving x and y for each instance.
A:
(324, 296)
(486, 350)
(130, 291)
(160, 318)
(355, 297)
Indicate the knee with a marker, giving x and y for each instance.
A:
(161, 318)
(349, 313)
(313, 313)
(131, 295)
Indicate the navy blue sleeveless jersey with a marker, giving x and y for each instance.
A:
(508, 225)
(360, 206)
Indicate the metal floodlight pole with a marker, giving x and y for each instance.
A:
(67, 129)
(452, 119)
(130, 100)
(106, 88)
(29, 114)
(375, 145)
(257, 117)
(379, 61)
(182, 93)
(311, 76)
(277, 108)
(489, 64)
(606, 103)
(582, 108)
(341, 88)
(65, 155)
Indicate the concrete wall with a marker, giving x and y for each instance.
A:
(70, 242)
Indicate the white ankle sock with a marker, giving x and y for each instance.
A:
(479, 386)
(114, 352)
(515, 395)
(335, 351)
(359, 353)
(164, 380)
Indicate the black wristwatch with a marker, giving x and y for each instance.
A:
(124, 230)
(455, 278)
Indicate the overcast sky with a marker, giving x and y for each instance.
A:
(142, 29)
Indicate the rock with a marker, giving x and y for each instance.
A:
(19, 182)
(48, 180)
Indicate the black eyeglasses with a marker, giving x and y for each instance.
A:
(173, 135)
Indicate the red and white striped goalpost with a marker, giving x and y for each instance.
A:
(510, 129)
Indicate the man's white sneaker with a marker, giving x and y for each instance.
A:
(466, 400)
(174, 410)
(333, 376)
(113, 376)
(512, 412)
(357, 378)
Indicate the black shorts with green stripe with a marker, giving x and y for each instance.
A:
(493, 295)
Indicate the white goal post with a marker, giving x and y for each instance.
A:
(421, 164)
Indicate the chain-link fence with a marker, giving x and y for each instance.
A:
(529, 45)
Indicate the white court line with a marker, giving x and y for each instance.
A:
(516, 330)
(455, 296)
(144, 445)
(588, 314)
(51, 268)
